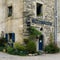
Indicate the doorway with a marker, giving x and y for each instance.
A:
(41, 38)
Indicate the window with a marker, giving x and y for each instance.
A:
(9, 11)
(10, 36)
(39, 9)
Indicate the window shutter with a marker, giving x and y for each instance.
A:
(6, 36)
(13, 37)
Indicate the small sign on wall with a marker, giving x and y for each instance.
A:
(36, 21)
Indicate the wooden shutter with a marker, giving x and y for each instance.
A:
(13, 37)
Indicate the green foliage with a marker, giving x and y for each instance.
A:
(14, 51)
(1, 48)
(51, 40)
(51, 48)
(17, 50)
(26, 41)
(3, 41)
(31, 47)
(20, 47)
(22, 53)
(30, 43)
(34, 33)
(10, 50)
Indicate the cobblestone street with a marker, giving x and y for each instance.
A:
(4, 56)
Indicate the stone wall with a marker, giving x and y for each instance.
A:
(48, 15)
(21, 9)
(14, 23)
(2, 15)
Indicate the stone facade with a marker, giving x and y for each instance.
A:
(23, 9)
(48, 15)
(14, 23)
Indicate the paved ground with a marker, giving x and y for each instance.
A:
(4, 56)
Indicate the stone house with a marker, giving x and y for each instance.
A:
(17, 15)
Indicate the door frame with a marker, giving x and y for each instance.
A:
(41, 44)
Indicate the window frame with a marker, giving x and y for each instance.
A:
(10, 11)
(41, 9)
(39, 17)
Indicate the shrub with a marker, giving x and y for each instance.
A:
(23, 53)
(26, 41)
(1, 48)
(3, 41)
(19, 47)
(10, 50)
(51, 48)
(31, 47)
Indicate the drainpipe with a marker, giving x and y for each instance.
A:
(55, 22)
